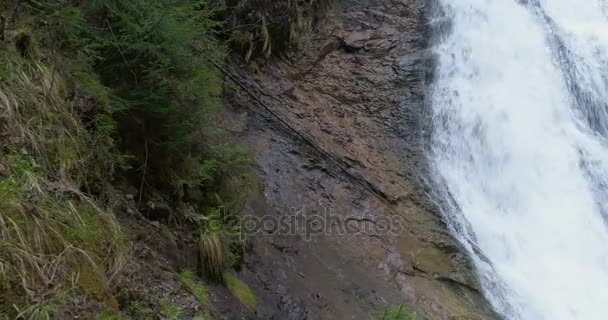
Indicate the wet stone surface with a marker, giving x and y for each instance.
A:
(363, 102)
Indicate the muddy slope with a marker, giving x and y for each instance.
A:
(357, 92)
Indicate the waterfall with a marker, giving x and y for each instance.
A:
(519, 143)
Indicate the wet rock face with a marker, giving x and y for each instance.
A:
(368, 236)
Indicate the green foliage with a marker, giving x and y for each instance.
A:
(139, 310)
(150, 71)
(240, 290)
(395, 312)
(45, 310)
(144, 66)
(154, 58)
(169, 311)
(140, 75)
(227, 183)
(94, 90)
(109, 315)
(221, 243)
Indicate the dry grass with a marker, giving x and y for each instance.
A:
(211, 254)
(54, 239)
(263, 28)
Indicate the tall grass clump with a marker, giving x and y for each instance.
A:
(264, 28)
(56, 240)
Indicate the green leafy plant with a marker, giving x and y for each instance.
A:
(395, 312)
(169, 311)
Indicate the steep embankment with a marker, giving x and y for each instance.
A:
(106, 163)
(122, 190)
(358, 93)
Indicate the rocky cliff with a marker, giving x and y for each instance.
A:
(122, 195)
(345, 139)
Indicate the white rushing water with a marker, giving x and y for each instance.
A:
(520, 104)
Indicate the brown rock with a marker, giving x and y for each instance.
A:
(356, 40)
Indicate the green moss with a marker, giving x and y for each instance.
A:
(90, 85)
(240, 290)
(94, 284)
(188, 278)
(395, 312)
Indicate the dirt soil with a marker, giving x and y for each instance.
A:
(356, 91)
